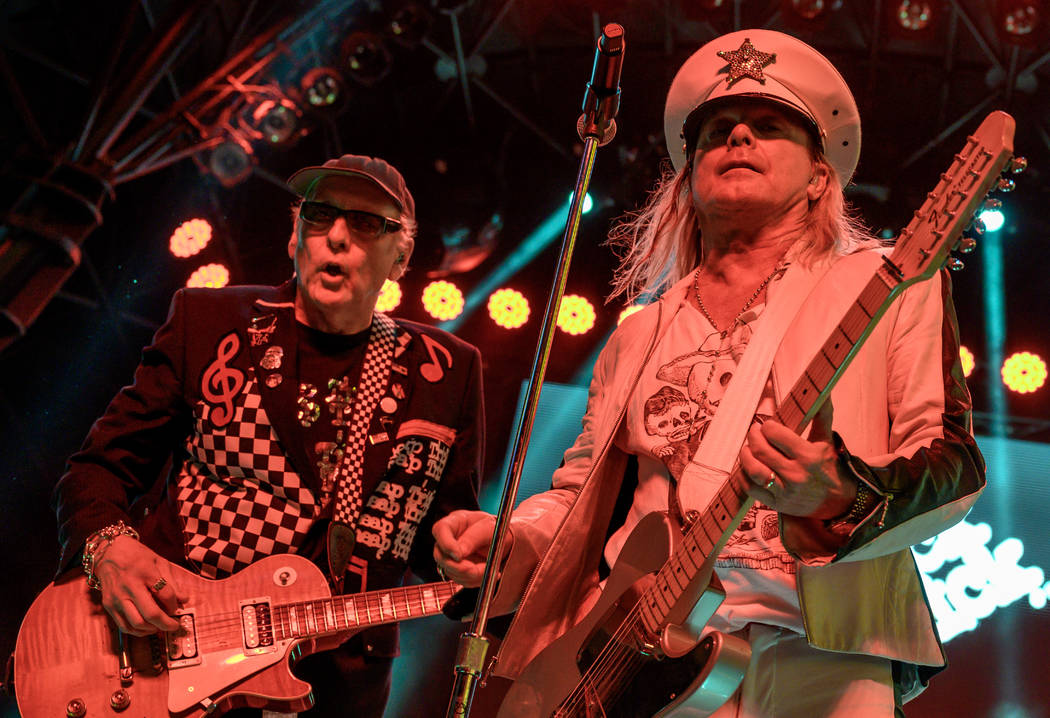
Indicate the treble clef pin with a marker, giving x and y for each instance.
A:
(221, 383)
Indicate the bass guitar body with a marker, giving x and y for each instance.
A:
(606, 666)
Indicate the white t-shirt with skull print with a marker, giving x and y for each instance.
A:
(678, 394)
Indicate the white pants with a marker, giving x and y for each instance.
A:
(787, 678)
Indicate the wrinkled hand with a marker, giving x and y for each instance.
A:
(128, 571)
(461, 545)
(806, 477)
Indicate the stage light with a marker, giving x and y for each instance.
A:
(190, 237)
(588, 201)
(409, 25)
(509, 308)
(993, 219)
(231, 162)
(576, 315)
(628, 311)
(389, 296)
(1021, 19)
(442, 300)
(365, 58)
(276, 120)
(1024, 372)
(914, 15)
(811, 10)
(968, 361)
(210, 275)
(1020, 22)
(323, 89)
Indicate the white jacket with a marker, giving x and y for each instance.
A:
(901, 408)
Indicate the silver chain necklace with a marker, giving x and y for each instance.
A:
(696, 290)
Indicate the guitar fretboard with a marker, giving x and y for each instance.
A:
(709, 532)
(341, 613)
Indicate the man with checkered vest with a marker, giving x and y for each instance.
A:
(290, 419)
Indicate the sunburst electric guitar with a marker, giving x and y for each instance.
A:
(237, 639)
(637, 652)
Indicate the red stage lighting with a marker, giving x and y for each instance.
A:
(1020, 22)
(190, 237)
(442, 300)
(914, 15)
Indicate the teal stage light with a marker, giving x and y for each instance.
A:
(993, 219)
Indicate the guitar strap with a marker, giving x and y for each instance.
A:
(717, 454)
(375, 375)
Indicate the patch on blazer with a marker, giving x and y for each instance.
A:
(429, 429)
(261, 328)
(433, 370)
(220, 382)
(391, 516)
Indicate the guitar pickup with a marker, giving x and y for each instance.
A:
(257, 629)
(182, 644)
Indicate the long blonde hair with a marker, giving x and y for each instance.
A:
(660, 243)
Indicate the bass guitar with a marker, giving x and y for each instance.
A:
(637, 652)
(237, 640)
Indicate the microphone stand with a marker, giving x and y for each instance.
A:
(596, 127)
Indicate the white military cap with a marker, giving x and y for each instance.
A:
(767, 65)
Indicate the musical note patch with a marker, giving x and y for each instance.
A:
(432, 370)
(221, 383)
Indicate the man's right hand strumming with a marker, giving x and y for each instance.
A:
(138, 588)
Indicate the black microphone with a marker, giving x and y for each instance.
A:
(601, 102)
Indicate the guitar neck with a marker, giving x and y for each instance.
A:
(303, 619)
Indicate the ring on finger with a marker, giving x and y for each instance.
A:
(772, 481)
(158, 585)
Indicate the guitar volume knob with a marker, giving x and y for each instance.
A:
(120, 700)
(76, 708)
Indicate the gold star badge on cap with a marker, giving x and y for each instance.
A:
(746, 62)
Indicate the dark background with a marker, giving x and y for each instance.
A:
(513, 151)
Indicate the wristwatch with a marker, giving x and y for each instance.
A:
(862, 505)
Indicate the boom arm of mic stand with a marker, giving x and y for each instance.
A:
(473, 645)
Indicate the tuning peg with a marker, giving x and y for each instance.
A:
(1005, 184)
(992, 203)
(1018, 165)
(967, 245)
(955, 264)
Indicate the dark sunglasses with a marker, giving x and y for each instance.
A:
(367, 224)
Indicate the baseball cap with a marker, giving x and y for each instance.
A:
(379, 172)
(768, 65)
